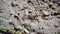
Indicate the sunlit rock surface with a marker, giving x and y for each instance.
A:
(31, 16)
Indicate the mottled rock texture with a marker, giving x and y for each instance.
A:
(31, 16)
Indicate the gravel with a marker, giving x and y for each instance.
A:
(28, 15)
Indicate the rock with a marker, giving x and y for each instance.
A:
(30, 16)
(46, 12)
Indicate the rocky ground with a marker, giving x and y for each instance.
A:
(30, 16)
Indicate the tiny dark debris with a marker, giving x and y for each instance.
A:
(12, 4)
(30, 12)
(18, 13)
(55, 14)
(43, 0)
(33, 30)
(16, 17)
(11, 14)
(11, 23)
(50, 6)
(45, 15)
(16, 29)
(24, 25)
(16, 5)
(25, 32)
(58, 4)
(42, 28)
(39, 33)
(53, 8)
(53, 1)
(28, 29)
(37, 19)
(29, 1)
(55, 26)
(36, 15)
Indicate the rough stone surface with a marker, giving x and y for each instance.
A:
(31, 16)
